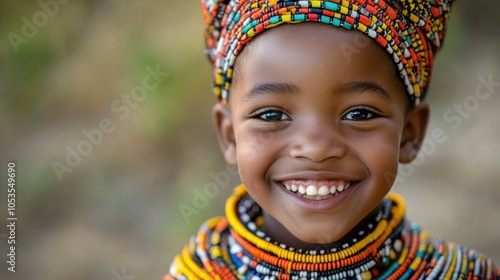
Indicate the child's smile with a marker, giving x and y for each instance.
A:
(317, 195)
(317, 132)
(316, 190)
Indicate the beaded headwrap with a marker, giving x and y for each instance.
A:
(411, 31)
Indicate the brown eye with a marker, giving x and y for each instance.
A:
(360, 114)
(273, 116)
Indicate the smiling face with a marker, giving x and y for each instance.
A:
(317, 122)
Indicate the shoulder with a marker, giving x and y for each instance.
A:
(192, 261)
(449, 260)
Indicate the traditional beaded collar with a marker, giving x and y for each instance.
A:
(254, 252)
(387, 248)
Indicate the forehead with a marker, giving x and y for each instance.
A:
(312, 53)
(318, 32)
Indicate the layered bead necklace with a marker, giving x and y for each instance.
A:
(387, 247)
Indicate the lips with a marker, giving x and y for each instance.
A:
(316, 190)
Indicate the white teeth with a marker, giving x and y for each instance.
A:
(333, 189)
(316, 192)
(323, 190)
(311, 190)
(302, 190)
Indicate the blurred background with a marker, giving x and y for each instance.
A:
(115, 211)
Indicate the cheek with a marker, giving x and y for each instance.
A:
(255, 156)
(254, 153)
(253, 142)
(378, 150)
(248, 147)
(382, 158)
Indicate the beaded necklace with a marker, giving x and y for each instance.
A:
(388, 247)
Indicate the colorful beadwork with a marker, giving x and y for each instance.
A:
(388, 247)
(411, 31)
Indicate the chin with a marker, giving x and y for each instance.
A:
(312, 237)
(323, 239)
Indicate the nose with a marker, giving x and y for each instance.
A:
(318, 141)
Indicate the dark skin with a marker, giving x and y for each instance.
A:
(308, 114)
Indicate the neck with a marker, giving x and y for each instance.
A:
(277, 232)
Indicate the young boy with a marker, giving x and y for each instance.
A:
(317, 115)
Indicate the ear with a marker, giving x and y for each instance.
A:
(225, 133)
(414, 130)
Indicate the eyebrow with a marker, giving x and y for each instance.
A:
(271, 88)
(360, 87)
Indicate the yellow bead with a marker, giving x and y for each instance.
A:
(392, 255)
(286, 18)
(315, 4)
(367, 275)
(251, 32)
